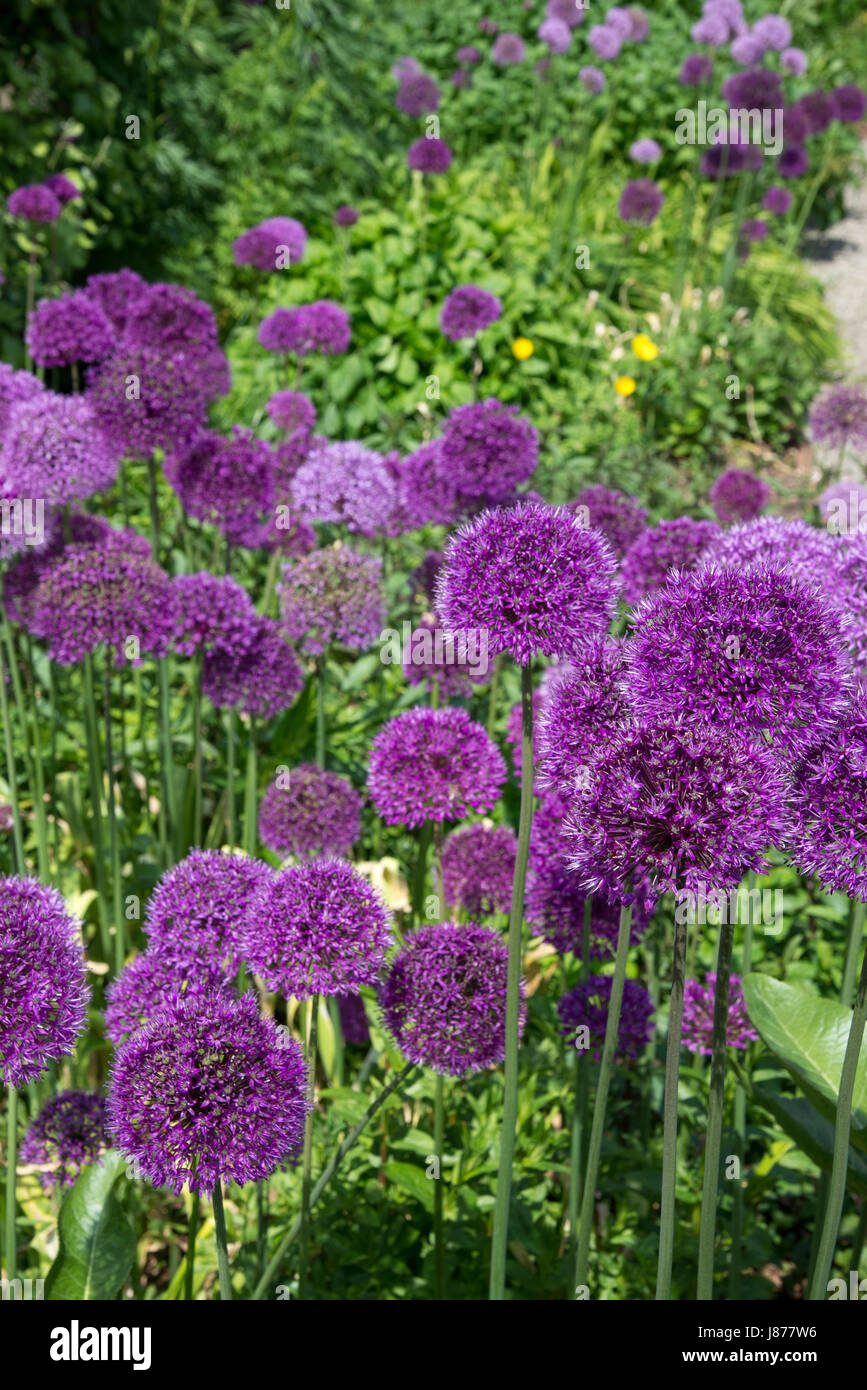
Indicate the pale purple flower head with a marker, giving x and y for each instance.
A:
(670, 545)
(467, 310)
(556, 34)
(308, 810)
(587, 1006)
(67, 1135)
(849, 102)
(696, 70)
(15, 387)
(507, 49)
(605, 42)
(738, 495)
(478, 868)
(468, 55)
(417, 94)
(69, 329)
(346, 216)
(698, 1011)
(429, 155)
(711, 29)
(778, 201)
(210, 612)
(593, 79)
(55, 448)
(403, 68)
(444, 1001)
(746, 50)
(346, 483)
(487, 450)
(34, 203)
(645, 152)
(566, 11)
(114, 292)
(773, 32)
(640, 202)
(64, 190)
(793, 61)
(809, 553)
(584, 702)
(843, 507)
(829, 837)
(172, 319)
(194, 914)
(208, 1092)
(838, 417)
(435, 765)
(228, 482)
(153, 980)
(146, 399)
(618, 19)
(259, 679)
(639, 24)
(620, 519)
(319, 327)
(332, 595)
(272, 245)
(292, 411)
(43, 981)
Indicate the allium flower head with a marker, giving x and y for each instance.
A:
(114, 292)
(43, 982)
(346, 483)
(838, 418)
(429, 155)
(645, 151)
(507, 49)
(353, 1019)
(228, 482)
(478, 868)
(444, 1001)
(55, 448)
(194, 914)
(778, 201)
(618, 19)
(620, 519)
(417, 94)
(757, 89)
(583, 703)
(69, 329)
(319, 327)
(793, 61)
(467, 310)
(310, 811)
(829, 832)
(146, 399)
(793, 163)
(291, 411)
(153, 980)
(696, 70)
(593, 79)
(15, 387)
(316, 928)
(426, 488)
(849, 102)
(671, 545)
(208, 1092)
(30, 568)
(587, 1005)
(605, 42)
(211, 612)
(532, 577)
(468, 54)
(566, 11)
(435, 765)
(346, 216)
(67, 1135)
(260, 678)
(487, 450)
(63, 188)
(172, 319)
(773, 32)
(639, 25)
(811, 555)
(738, 495)
(711, 29)
(698, 1011)
(556, 34)
(754, 229)
(332, 595)
(34, 202)
(818, 110)
(641, 202)
(272, 245)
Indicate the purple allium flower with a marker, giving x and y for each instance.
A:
(605, 42)
(641, 201)
(346, 483)
(487, 26)
(43, 981)
(310, 811)
(810, 554)
(754, 229)
(146, 399)
(793, 61)
(556, 34)
(333, 595)
(828, 836)
(731, 11)
(753, 652)
(478, 868)
(319, 327)
(417, 94)
(69, 329)
(259, 679)
(620, 519)
(429, 155)
(272, 245)
(54, 449)
(487, 450)
(843, 507)
(404, 67)
(210, 611)
(618, 19)
(508, 48)
(353, 1019)
(34, 202)
(114, 292)
(461, 79)
(645, 152)
(444, 657)
(838, 417)
(676, 806)
(208, 1092)
(793, 163)
(711, 29)
(316, 928)
(15, 387)
(757, 89)
(566, 11)
(63, 188)
(818, 110)
(696, 70)
(777, 200)
(671, 545)
(29, 569)
(530, 576)
(346, 216)
(723, 160)
(698, 1011)
(738, 495)
(291, 534)
(773, 32)
(291, 411)
(594, 79)
(587, 1006)
(583, 703)
(422, 580)
(468, 54)
(67, 1135)
(227, 482)
(467, 310)
(194, 915)
(639, 25)
(436, 765)
(152, 981)
(444, 1001)
(426, 491)
(172, 319)
(849, 102)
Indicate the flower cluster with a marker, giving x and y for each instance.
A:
(310, 811)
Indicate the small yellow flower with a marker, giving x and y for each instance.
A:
(624, 385)
(644, 348)
(522, 348)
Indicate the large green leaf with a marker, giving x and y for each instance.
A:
(809, 1035)
(97, 1242)
(812, 1133)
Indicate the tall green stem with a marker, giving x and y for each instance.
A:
(439, 1233)
(716, 1100)
(11, 1240)
(94, 763)
(171, 820)
(11, 773)
(581, 1092)
(250, 797)
(154, 507)
(669, 1130)
(197, 750)
(856, 932)
(222, 1246)
(189, 1269)
(320, 712)
(737, 1225)
(307, 1161)
(231, 722)
(114, 848)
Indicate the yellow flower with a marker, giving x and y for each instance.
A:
(624, 386)
(644, 348)
(522, 348)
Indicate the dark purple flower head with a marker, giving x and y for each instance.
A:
(756, 89)
(487, 450)
(593, 79)
(43, 981)
(427, 493)
(292, 411)
(696, 70)
(208, 1092)
(556, 34)
(793, 163)
(671, 545)
(54, 448)
(794, 62)
(67, 1135)
(698, 1009)
(153, 980)
(587, 1005)
(319, 327)
(738, 495)
(583, 703)
(316, 928)
(530, 576)
(777, 200)
(172, 319)
(724, 159)
(829, 835)
(15, 387)
(507, 49)
(605, 42)
(417, 94)
(353, 1019)
(114, 292)
(641, 201)
(429, 155)
(260, 679)
(272, 245)
(24, 576)
(211, 612)
(810, 554)
(468, 54)
(146, 399)
(754, 229)
(310, 811)
(435, 765)
(478, 868)
(346, 483)
(620, 519)
(346, 216)
(69, 329)
(63, 188)
(838, 417)
(194, 914)
(849, 102)
(818, 110)
(333, 595)
(467, 310)
(444, 1001)
(34, 202)
(228, 482)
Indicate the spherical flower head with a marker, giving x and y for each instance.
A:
(696, 70)
(793, 61)
(593, 79)
(605, 42)
(93, 595)
(172, 319)
(778, 201)
(478, 868)
(640, 202)
(676, 544)
(810, 554)
(318, 327)
(843, 507)
(467, 310)
(793, 163)
(259, 679)
(468, 55)
(618, 19)
(507, 49)
(404, 67)
(316, 928)
(292, 411)
(757, 89)
(310, 811)
(566, 11)
(208, 1092)
(738, 495)
(711, 29)
(114, 292)
(332, 595)
(426, 490)
(818, 110)
(838, 418)
(211, 612)
(146, 399)
(434, 765)
(746, 50)
(584, 702)
(556, 34)
(417, 94)
(228, 482)
(43, 981)
(444, 1001)
(54, 448)
(69, 329)
(63, 188)
(530, 576)
(353, 1020)
(698, 1012)
(272, 245)
(639, 25)
(346, 216)
(30, 568)
(15, 387)
(487, 450)
(34, 202)
(773, 32)
(753, 651)
(676, 807)
(152, 981)
(67, 1135)
(429, 155)
(754, 229)
(645, 151)
(346, 483)
(588, 1004)
(828, 835)
(194, 914)
(620, 519)
(849, 102)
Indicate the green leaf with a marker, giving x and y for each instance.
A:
(812, 1133)
(410, 1178)
(97, 1242)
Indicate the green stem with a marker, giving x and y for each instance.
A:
(171, 822)
(114, 848)
(250, 800)
(715, 1104)
(320, 711)
(581, 1091)
(669, 1131)
(94, 763)
(11, 773)
(439, 1234)
(197, 750)
(30, 293)
(222, 1246)
(856, 932)
(154, 506)
(492, 698)
(860, 1237)
(230, 776)
(191, 1245)
(737, 1226)
(41, 819)
(307, 1161)
(11, 1241)
(420, 871)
